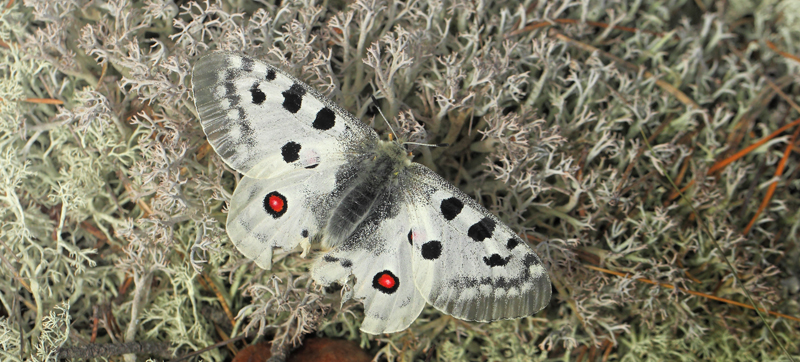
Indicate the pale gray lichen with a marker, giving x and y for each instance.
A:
(114, 205)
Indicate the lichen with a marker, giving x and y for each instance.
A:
(113, 205)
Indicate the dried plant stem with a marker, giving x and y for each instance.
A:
(774, 185)
(669, 88)
(140, 293)
(204, 350)
(230, 346)
(639, 153)
(772, 46)
(540, 24)
(143, 205)
(95, 323)
(207, 282)
(699, 294)
(678, 181)
(728, 262)
(14, 270)
(782, 94)
(102, 75)
(115, 349)
(44, 101)
(677, 193)
(720, 165)
(39, 100)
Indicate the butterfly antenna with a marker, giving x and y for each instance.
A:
(375, 101)
(427, 144)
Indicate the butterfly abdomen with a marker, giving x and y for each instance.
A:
(364, 187)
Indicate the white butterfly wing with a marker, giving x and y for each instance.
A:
(286, 138)
(276, 213)
(264, 123)
(313, 171)
(379, 256)
(466, 262)
(458, 256)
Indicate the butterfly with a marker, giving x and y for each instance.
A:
(314, 173)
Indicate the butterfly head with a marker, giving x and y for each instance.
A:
(395, 151)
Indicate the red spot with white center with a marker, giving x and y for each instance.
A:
(275, 204)
(386, 282)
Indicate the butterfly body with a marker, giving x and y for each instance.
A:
(315, 173)
(364, 187)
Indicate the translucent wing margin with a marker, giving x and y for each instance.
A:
(264, 122)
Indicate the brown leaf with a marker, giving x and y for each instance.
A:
(253, 353)
(329, 350)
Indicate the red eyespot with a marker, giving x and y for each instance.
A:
(386, 281)
(275, 203)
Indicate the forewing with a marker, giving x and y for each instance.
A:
(379, 256)
(263, 122)
(466, 262)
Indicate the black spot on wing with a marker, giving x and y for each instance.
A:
(481, 230)
(293, 98)
(244, 123)
(304, 233)
(432, 250)
(247, 64)
(410, 240)
(451, 208)
(230, 89)
(230, 94)
(325, 120)
(496, 260)
(230, 75)
(512, 243)
(529, 260)
(532, 259)
(290, 152)
(312, 166)
(343, 262)
(270, 75)
(258, 96)
(246, 130)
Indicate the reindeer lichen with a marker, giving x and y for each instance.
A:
(113, 205)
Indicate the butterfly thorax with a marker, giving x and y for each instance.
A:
(366, 190)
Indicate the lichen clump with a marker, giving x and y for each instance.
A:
(566, 119)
